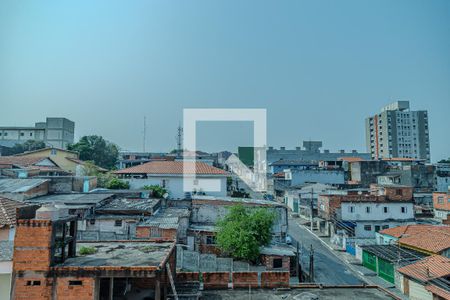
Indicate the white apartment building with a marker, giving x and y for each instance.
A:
(398, 132)
(371, 217)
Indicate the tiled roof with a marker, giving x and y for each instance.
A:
(429, 268)
(445, 294)
(8, 211)
(413, 229)
(45, 149)
(22, 161)
(173, 167)
(433, 241)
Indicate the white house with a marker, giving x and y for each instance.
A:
(370, 217)
(170, 174)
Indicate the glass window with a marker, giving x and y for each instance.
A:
(368, 227)
(367, 209)
(385, 209)
(118, 223)
(277, 263)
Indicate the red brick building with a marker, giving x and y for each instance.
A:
(56, 266)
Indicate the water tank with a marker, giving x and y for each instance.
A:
(47, 212)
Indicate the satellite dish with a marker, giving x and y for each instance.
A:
(165, 195)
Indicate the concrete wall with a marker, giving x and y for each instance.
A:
(320, 176)
(376, 211)
(210, 214)
(174, 185)
(361, 232)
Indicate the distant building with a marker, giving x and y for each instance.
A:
(398, 132)
(311, 151)
(54, 132)
(441, 205)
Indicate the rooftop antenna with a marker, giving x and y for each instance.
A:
(179, 141)
(145, 132)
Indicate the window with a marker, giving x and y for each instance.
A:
(92, 221)
(277, 263)
(441, 200)
(22, 134)
(377, 228)
(385, 209)
(385, 226)
(75, 282)
(368, 227)
(31, 134)
(398, 192)
(351, 209)
(118, 223)
(53, 152)
(210, 239)
(403, 209)
(164, 183)
(195, 181)
(368, 209)
(33, 282)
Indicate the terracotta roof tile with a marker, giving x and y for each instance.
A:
(8, 211)
(445, 294)
(172, 167)
(431, 267)
(413, 229)
(434, 241)
(22, 161)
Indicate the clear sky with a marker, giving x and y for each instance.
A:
(318, 67)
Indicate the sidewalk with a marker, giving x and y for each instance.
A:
(352, 263)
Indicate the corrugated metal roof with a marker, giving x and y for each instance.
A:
(19, 185)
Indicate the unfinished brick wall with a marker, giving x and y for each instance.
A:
(274, 279)
(267, 260)
(187, 276)
(142, 232)
(245, 279)
(34, 287)
(32, 245)
(75, 288)
(216, 280)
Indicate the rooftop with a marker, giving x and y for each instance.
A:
(429, 268)
(137, 205)
(232, 200)
(173, 167)
(119, 254)
(166, 217)
(22, 161)
(19, 185)
(71, 198)
(293, 162)
(8, 211)
(278, 249)
(393, 253)
(413, 229)
(434, 241)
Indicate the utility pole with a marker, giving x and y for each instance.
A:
(145, 133)
(311, 264)
(180, 141)
(311, 215)
(298, 263)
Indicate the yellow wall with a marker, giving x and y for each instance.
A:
(59, 158)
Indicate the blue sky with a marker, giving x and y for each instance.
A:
(318, 67)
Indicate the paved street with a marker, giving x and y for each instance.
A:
(328, 268)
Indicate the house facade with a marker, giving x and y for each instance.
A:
(170, 175)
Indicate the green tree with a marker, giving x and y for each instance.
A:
(95, 148)
(29, 145)
(445, 161)
(157, 191)
(117, 184)
(244, 230)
